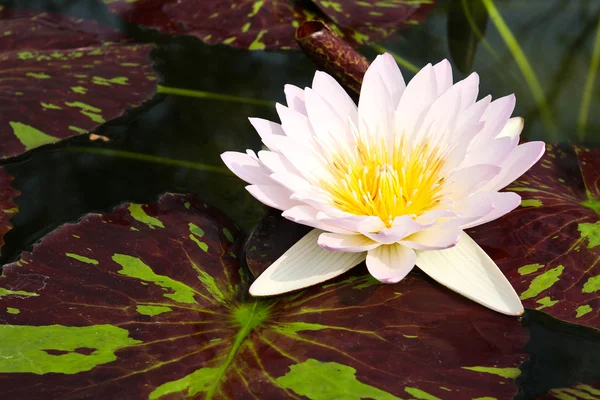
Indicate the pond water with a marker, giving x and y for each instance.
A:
(173, 143)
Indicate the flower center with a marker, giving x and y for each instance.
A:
(372, 181)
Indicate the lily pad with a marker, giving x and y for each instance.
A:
(269, 24)
(149, 301)
(549, 248)
(8, 208)
(63, 76)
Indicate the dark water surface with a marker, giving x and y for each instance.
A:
(59, 184)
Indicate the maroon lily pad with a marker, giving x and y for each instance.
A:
(549, 248)
(63, 76)
(581, 391)
(150, 302)
(369, 21)
(8, 208)
(267, 24)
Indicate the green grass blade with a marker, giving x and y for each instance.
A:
(589, 86)
(213, 96)
(401, 61)
(524, 66)
(151, 158)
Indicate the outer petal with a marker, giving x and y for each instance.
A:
(304, 264)
(375, 110)
(465, 181)
(346, 243)
(246, 168)
(516, 164)
(469, 271)
(272, 195)
(389, 264)
(354, 223)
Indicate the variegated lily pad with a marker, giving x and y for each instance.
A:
(62, 76)
(549, 248)
(150, 302)
(270, 24)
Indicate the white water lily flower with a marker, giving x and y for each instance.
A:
(394, 181)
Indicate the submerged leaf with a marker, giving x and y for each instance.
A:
(63, 76)
(8, 208)
(332, 54)
(150, 302)
(270, 24)
(549, 248)
(467, 21)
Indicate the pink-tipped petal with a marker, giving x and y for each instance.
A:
(294, 97)
(246, 168)
(390, 264)
(307, 215)
(516, 164)
(402, 227)
(466, 181)
(435, 238)
(276, 162)
(272, 195)
(346, 243)
(363, 224)
(502, 204)
(469, 271)
(303, 265)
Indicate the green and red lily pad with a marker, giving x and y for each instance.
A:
(8, 208)
(581, 391)
(270, 24)
(63, 76)
(549, 248)
(150, 302)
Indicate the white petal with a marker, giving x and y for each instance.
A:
(420, 92)
(513, 128)
(331, 91)
(375, 110)
(469, 271)
(495, 117)
(390, 264)
(307, 215)
(391, 76)
(330, 129)
(403, 226)
(293, 182)
(272, 195)
(516, 164)
(267, 130)
(304, 264)
(346, 243)
(246, 168)
(443, 76)
(294, 97)
(276, 162)
(294, 124)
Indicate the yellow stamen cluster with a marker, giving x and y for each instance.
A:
(373, 181)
